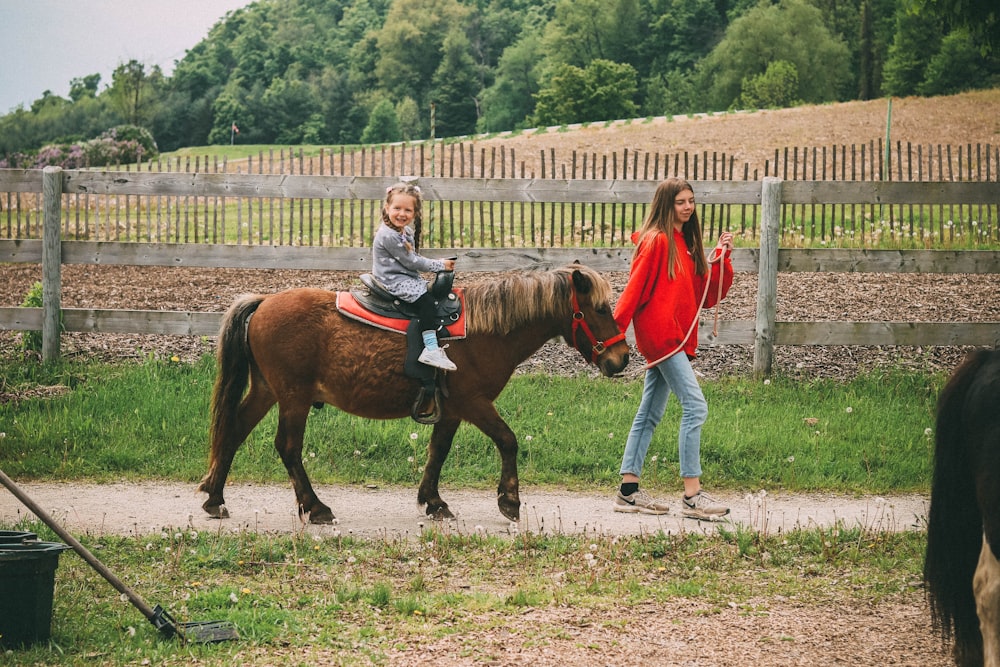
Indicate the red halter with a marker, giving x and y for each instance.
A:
(597, 347)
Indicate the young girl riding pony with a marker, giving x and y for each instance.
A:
(397, 265)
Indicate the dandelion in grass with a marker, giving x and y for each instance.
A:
(175, 359)
(849, 409)
(413, 436)
(928, 432)
(528, 438)
(233, 598)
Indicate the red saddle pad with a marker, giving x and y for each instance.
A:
(349, 306)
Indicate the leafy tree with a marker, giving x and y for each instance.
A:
(286, 107)
(980, 17)
(774, 89)
(791, 30)
(955, 66)
(408, 113)
(383, 125)
(455, 88)
(681, 32)
(492, 29)
(132, 91)
(917, 39)
(229, 108)
(410, 44)
(82, 87)
(48, 100)
(603, 91)
(511, 99)
(683, 94)
(586, 30)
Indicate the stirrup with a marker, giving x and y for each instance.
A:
(432, 417)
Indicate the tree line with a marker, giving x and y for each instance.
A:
(343, 72)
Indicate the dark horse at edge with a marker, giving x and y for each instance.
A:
(962, 562)
(295, 349)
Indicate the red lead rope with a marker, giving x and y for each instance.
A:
(716, 256)
(597, 347)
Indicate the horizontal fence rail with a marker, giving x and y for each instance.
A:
(772, 194)
(286, 205)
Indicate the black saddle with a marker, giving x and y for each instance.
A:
(377, 299)
(433, 387)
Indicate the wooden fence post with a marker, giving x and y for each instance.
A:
(767, 276)
(52, 187)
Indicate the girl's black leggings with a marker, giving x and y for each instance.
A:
(426, 312)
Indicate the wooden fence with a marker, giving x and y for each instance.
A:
(763, 332)
(256, 219)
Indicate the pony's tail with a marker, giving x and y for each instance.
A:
(233, 359)
(954, 523)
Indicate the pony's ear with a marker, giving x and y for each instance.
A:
(581, 282)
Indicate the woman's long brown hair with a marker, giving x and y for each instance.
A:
(660, 218)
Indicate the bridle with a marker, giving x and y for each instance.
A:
(597, 347)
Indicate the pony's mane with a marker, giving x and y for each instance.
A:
(503, 304)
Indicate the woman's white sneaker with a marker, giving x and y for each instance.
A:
(640, 502)
(703, 506)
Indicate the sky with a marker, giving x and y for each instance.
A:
(46, 43)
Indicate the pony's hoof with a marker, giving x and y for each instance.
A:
(440, 513)
(511, 509)
(321, 517)
(216, 511)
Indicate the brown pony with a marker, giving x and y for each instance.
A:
(298, 350)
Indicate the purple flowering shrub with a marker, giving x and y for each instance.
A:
(120, 145)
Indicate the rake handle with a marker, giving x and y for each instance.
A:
(119, 585)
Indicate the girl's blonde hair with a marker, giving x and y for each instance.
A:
(661, 217)
(411, 190)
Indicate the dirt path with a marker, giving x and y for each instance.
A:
(128, 508)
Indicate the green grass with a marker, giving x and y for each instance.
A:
(307, 600)
(104, 422)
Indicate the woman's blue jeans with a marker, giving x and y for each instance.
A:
(673, 375)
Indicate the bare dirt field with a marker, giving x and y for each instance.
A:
(753, 137)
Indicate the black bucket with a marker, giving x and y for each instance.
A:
(16, 536)
(27, 582)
